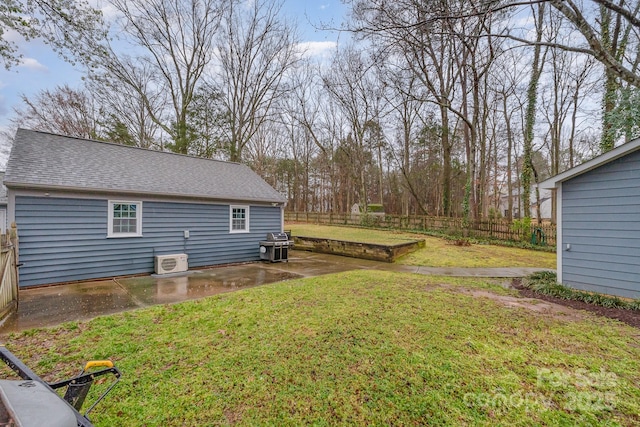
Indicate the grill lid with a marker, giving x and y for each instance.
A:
(277, 237)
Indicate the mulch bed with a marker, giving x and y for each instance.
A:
(630, 317)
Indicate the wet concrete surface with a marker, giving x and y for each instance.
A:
(153, 290)
(58, 304)
(53, 305)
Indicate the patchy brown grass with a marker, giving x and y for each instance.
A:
(437, 252)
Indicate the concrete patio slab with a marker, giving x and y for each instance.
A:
(52, 305)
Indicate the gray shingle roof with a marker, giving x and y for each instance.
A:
(44, 160)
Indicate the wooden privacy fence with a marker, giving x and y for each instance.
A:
(8, 272)
(486, 228)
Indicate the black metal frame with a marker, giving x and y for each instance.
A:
(77, 387)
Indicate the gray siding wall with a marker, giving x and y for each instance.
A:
(64, 239)
(601, 222)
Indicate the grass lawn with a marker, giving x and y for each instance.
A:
(361, 348)
(437, 252)
(353, 234)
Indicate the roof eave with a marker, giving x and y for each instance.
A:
(44, 187)
(594, 163)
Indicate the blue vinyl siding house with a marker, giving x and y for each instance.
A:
(87, 209)
(598, 217)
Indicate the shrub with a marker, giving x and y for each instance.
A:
(495, 213)
(522, 227)
(375, 208)
(367, 220)
(545, 283)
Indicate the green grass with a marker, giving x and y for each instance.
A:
(437, 252)
(364, 348)
(443, 253)
(353, 234)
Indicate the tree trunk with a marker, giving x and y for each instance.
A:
(530, 117)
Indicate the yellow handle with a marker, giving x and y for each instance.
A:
(98, 364)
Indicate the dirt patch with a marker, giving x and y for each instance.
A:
(629, 317)
(535, 304)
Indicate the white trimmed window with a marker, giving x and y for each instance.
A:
(125, 219)
(239, 219)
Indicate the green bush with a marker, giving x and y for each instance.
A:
(545, 283)
(375, 208)
(367, 220)
(495, 213)
(635, 305)
(522, 227)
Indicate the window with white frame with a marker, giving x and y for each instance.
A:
(125, 219)
(239, 219)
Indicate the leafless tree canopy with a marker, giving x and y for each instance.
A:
(62, 110)
(257, 48)
(442, 107)
(173, 43)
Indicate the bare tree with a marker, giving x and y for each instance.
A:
(396, 32)
(508, 77)
(586, 17)
(62, 110)
(528, 169)
(175, 41)
(406, 99)
(256, 48)
(128, 111)
(299, 116)
(311, 107)
(607, 44)
(351, 83)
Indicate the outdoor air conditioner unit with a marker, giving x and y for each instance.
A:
(171, 263)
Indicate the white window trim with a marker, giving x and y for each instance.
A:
(110, 233)
(246, 219)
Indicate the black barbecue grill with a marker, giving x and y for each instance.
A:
(276, 247)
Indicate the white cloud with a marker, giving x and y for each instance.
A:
(32, 64)
(317, 49)
(110, 13)
(324, 6)
(13, 36)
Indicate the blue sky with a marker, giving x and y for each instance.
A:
(42, 69)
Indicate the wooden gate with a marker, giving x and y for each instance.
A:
(8, 272)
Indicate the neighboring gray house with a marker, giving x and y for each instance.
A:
(545, 204)
(88, 209)
(598, 217)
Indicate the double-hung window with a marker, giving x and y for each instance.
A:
(239, 219)
(125, 219)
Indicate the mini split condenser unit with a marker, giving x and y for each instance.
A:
(171, 263)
